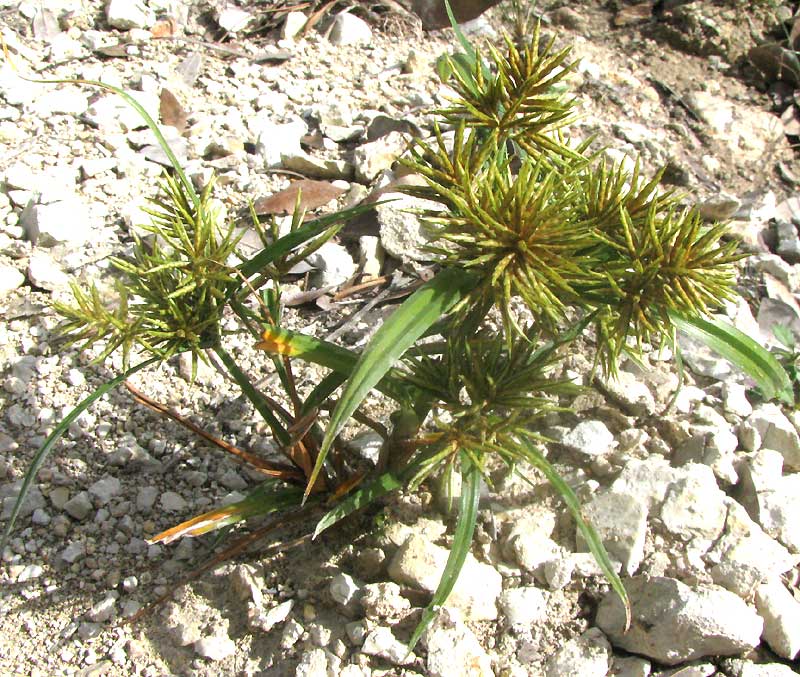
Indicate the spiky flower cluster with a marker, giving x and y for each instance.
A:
(551, 224)
(489, 397)
(178, 277)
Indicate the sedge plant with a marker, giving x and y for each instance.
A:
(533, 232)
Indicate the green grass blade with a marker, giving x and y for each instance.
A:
(133, 103)
(741, 351)
(462, 542)
(255, 397)
(466, 45)
(358, 499)
(424, 307)
(322, 391)
(587, 530)
(61, 428)
(268, 497)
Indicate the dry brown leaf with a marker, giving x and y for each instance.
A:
(313, 194)
(164, 28)
(171, 111)
(113, 51)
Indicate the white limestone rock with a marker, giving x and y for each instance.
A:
(646, 480)
(111, 113)
(10, 278)
(293, 23)
(332, 264)
(524, 606)
(781, 614)
(591, 438)
(233, 19)
(127, 14)
(370, 159)
(621, 522)
(694, 506)
(453, 649)
(382, 642)
(630, 392)
(344, 589)
(420, 563)
(744, 543)
(734, 399)
(69, 222)
(348, 29)
(673, 623)
(403, 232)
(215, 648)
(775, 431)
(588, 655)
(772, 498)
(736, 667)
(316, 167)
(713, 446)
(384, 600)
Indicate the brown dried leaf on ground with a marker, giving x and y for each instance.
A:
(313, 194)
(171, 111)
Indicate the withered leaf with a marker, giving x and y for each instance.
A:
(171, 111)
(313, 194)
(113, 51)
(164, 28)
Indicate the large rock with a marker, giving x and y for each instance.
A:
(673, 623)
(747, 131)
(744, 544)
(434, 15)
(736, 667)
(781, 614)
(775, 431)
(46, 226)
(348, 29)
(621, 522)
(126, 14)
(771, 498)
(403, 232)
(421, 563)
(591, 438)
(647, 480)
(695, 506)
(370, 159)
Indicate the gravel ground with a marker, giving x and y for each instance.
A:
(695, 505)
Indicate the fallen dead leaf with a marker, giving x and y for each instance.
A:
(164, 28)
(171, 111)
(313, 194)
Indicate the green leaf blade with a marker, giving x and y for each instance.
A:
(588, 532)
(741, 351)
(462, 543)
(410, 321)
(61, 428)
